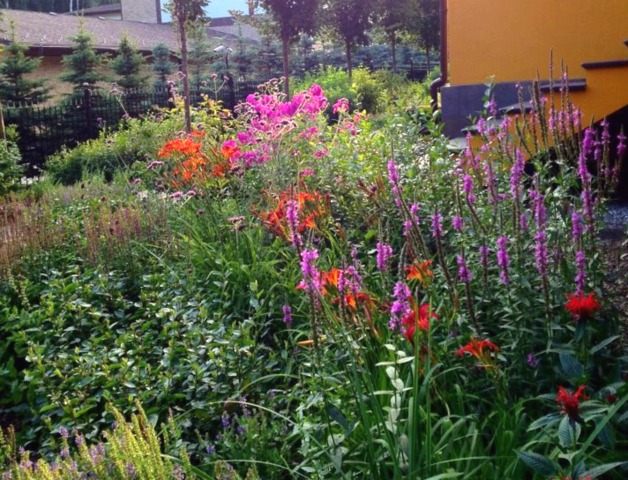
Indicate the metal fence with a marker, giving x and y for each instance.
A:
(44, 130)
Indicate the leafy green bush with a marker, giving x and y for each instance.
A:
(10, 169)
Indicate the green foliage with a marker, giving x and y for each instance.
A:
(15, 66)
(81, 66)
(128, 65)
(10, 169)
(138, 141)
(131, 449)
(162, 66)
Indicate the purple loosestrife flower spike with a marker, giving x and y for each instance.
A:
(464, 274)
(588, 142)
(393, 179)
(516, 172)
(384, 253)
(581, 271)
(437, 228)
(292, 216)
(540, 252)
(311, 276)
(484, 251)
(503, 260)
(457, 223)
(287, 315)
(467, 188)
(400, 307)
(621, 145)
(576, 227)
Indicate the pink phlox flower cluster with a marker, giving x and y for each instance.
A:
(270, 119)
(341, 106)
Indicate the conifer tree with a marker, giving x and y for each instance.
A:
(14, 84)
(128, 65)
(162, 66)
(82, 64)
(200, 56)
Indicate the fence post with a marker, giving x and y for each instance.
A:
(87, 103)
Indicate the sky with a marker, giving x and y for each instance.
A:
(218, 8)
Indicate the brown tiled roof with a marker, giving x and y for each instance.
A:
(46, 31)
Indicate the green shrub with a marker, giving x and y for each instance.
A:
(10, 169)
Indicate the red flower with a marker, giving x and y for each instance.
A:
(582, 306)
(570, 402)
(477, 348)
(417, 318)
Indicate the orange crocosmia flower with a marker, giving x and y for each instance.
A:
(581, 306)
(477, 348)
(570, 402)
(417, 318)
(420, 271)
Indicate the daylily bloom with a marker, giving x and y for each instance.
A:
(570, 402)
(478, 348)
(581, 306)
(420, 271)
(419, 318)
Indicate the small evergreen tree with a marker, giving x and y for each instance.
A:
(162, 66)
(200, 56)
(82, 64)
(14, 85)
(128, 65)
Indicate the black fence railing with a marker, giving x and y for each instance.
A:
(44, 130)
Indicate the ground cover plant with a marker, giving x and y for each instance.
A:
(323, 300)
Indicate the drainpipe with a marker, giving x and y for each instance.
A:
(442, 80)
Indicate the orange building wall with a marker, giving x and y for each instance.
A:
(512, 39)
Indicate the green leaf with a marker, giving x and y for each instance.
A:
(571, 366)
(603, 344)
(601, 469)
(568, 432)
(538, 463)
(550, 419)
(445, 475)
(340, 419)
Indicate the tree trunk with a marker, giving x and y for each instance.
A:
(349, 59)
(285, 46)
(184, 71)
(393, 44)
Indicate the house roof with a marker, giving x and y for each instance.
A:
(49, 33)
